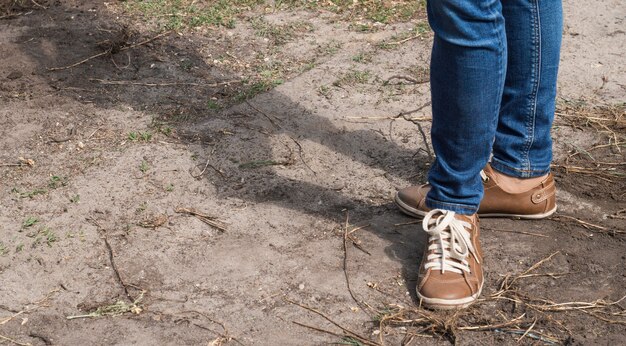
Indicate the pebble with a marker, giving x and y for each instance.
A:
(15, 75)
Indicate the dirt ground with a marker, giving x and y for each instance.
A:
(231, 184)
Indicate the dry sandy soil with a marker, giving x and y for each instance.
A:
(286, 135)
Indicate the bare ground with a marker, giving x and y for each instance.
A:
(291, 143)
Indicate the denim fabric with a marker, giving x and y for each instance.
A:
(493, 86)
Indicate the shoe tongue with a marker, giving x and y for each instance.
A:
(447, 275)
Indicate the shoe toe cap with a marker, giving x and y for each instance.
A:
(445, 288)
(412, 194)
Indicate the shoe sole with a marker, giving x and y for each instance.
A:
(407, 209)
(448, 304)
(518, 216)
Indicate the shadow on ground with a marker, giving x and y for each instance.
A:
(252, 142)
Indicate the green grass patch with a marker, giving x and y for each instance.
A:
(350, 341)
(140, 136)
(382, 11)
(329, 48)
(362, 58)
(187, 14)
(213, 105)
(324, 90)
(144, 167)
(29, 194)
(250, 90)
(44, 235)
(279, 34)
(29, 222)
(352, 78)
(57, 181)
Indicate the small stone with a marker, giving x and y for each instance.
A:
(15, 75)
(301, 286)
(81, 145)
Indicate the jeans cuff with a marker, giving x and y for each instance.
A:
(516, 172)
(462, 209)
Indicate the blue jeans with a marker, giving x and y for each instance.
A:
(493, 86)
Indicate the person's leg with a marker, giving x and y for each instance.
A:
(468, 69)
(523, 146)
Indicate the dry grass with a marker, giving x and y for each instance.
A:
(509, 310)
(609, 122)
(517, 312)
(116, 309)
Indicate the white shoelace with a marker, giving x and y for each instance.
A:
(451, 242)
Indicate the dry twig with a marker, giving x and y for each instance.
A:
(13, 341)
(118, 277)
(405, 40)
(126, 82)
(301, 152)
(11, 15)
(30, 307)
(271, 119)
(318, 329)
(406, 78)
(514, 231)
(347, 236)
(108, 51)
(344, 329)
(588, 225)
(223, 337)
(208, 164)
(209, 220)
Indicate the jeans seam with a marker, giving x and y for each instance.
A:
(536, 79)
(501, 74)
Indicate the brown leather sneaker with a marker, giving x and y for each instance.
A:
(536, 203)
(450, 275)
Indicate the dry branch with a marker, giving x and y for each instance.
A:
(347, 235)
(165, 84)
(208, 219)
